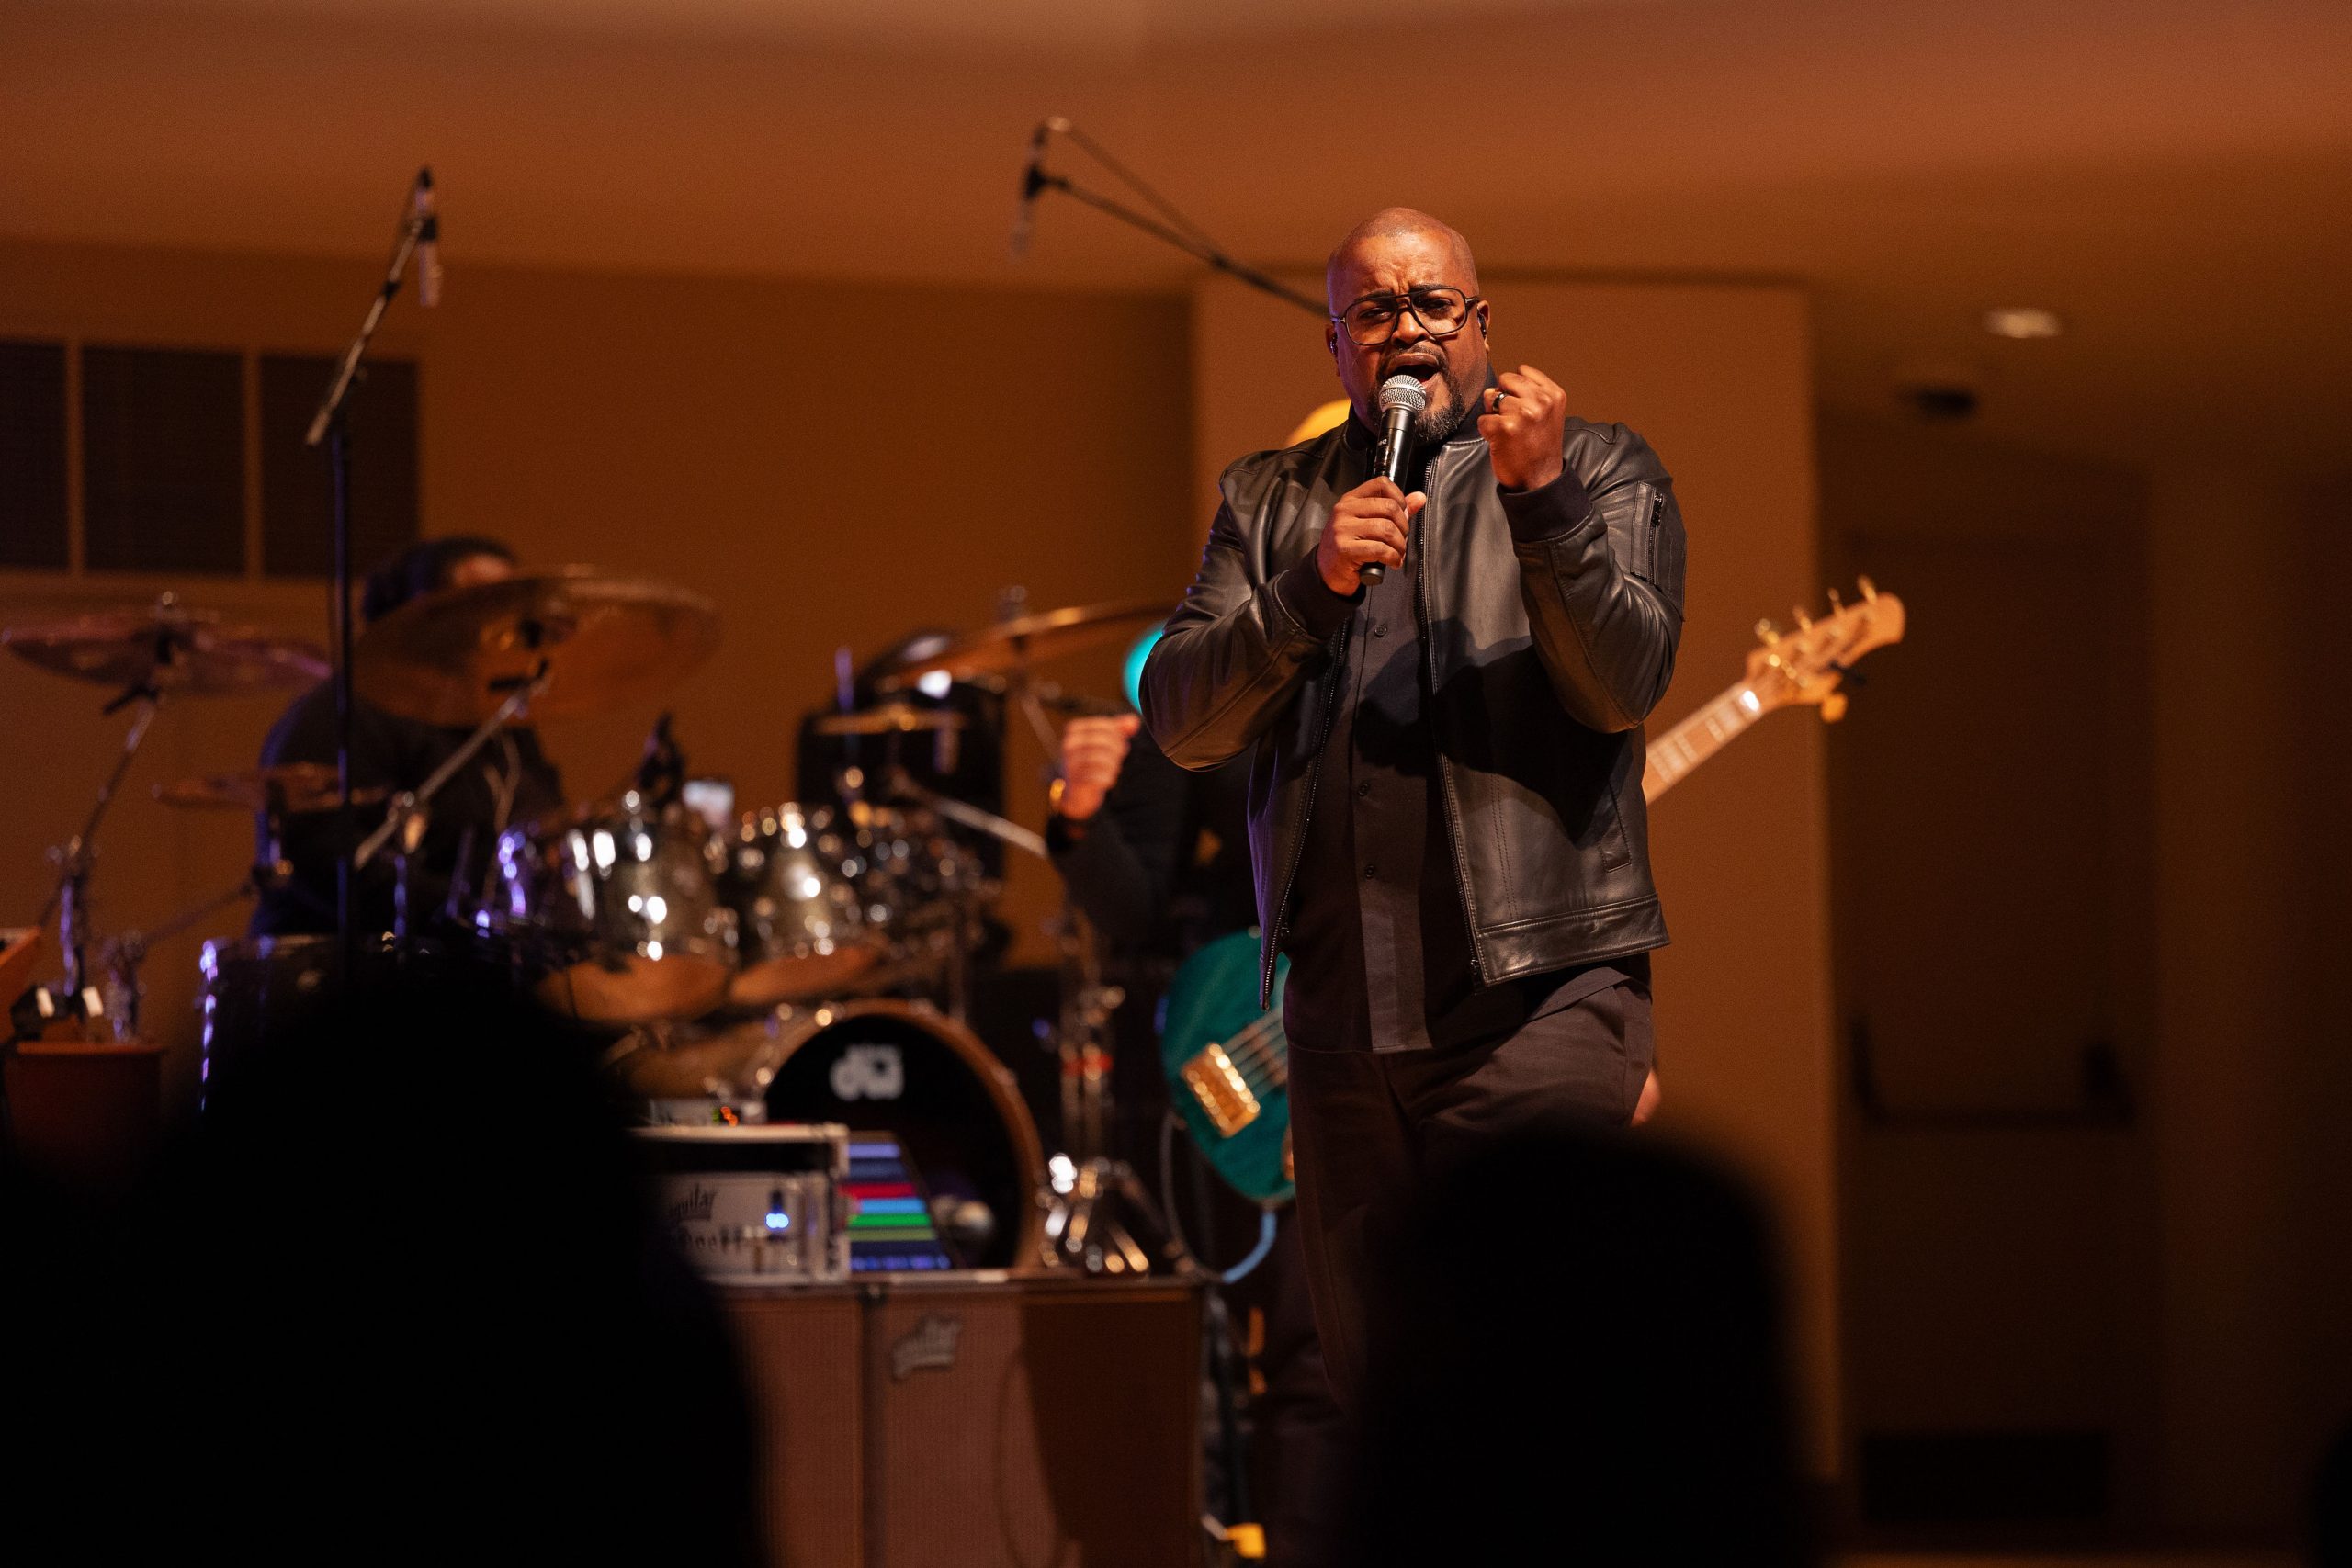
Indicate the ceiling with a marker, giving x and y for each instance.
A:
(2175, 178)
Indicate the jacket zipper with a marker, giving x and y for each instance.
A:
(1280, 927)
(1444, 777)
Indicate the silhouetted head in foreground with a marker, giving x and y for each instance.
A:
(1588, 1370)
(403, 1297)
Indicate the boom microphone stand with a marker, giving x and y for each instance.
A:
(421, 226)
(1182, 233)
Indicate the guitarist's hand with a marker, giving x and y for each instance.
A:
(1093, 750)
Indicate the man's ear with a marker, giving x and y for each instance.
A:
(1331, 342)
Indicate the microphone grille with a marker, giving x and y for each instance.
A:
(1403, 393)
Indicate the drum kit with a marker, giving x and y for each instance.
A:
(799, 961)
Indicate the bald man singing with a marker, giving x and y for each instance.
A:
(1446, 824)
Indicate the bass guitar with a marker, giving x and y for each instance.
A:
(1227, 1064)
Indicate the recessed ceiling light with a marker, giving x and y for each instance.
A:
(2022, 322)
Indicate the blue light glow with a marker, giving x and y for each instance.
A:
(1135, 656)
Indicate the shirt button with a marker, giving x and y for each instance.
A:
(1369, 870)
(1362, 790)
(1380, 630)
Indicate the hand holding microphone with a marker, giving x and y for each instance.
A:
(1401, 402)
(1369, 530)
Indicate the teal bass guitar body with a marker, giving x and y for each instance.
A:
(1228, 1066)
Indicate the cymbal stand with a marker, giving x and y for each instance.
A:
(408, 813)
(1083, 1227)
(122, 955)
(1082, 1037)
(903, 786)
(75, 859)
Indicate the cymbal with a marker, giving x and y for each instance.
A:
(451, 658)
(1031, 639)
(291, 788)
(185, 652)
(890, 719)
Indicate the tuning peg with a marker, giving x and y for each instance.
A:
(1804, 622)
(1833, 707)
(1836, 602)
(1768, 632)
(1870, 589)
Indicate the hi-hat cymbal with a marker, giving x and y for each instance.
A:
(291, 788)
(451, 658)
(890, 719)
(184, 651)
(1029, 640)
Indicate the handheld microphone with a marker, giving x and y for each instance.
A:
(1032, 180)
(427, 213)
(1401, 399)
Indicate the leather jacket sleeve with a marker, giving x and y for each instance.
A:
(1236, 652)
(1601, 573)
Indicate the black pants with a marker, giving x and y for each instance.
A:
(1301, 1464)
(1370, 1130)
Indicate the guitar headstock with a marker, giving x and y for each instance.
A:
(1808, 664)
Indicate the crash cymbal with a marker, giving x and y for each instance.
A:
(1030, 640)
(183, 652)
(291, 788)
(451, 658)
(890, 719)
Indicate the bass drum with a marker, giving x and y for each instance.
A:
(875, 1066)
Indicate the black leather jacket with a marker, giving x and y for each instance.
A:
(1551, 620)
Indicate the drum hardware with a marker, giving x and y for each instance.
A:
(902, 786)
(122, 955)
(151, 653)
(1077, 1229)
(1089, 1208)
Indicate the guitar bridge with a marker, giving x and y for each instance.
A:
(1221, 1091)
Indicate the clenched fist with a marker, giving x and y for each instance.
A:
(1370, 523)
(1525, 415)
(1093, 752)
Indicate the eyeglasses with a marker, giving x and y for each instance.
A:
(1372, 321)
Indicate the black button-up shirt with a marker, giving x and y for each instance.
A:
(1379, 944)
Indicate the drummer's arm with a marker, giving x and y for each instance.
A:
(1118, 859)
(307, 841)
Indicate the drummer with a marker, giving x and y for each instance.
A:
(511, 781)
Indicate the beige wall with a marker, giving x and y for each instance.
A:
(1989, 808)
(1717, 378)
(2086, 800)
(834, 481)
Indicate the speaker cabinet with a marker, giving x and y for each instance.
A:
(970, 1423)
(801, 1353)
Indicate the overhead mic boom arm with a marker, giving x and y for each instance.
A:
(1036, 180)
